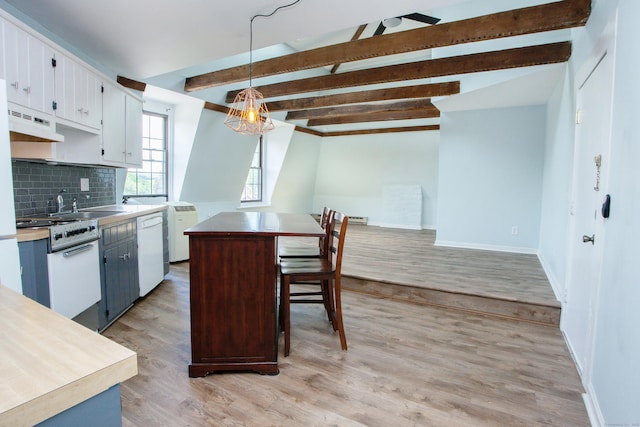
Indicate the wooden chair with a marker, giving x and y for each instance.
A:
(323, 273)
(309, 252)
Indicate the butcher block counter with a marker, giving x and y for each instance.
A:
(49, 364)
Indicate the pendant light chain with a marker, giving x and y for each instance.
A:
(248, 115)
(251, 34)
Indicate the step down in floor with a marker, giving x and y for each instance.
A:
(491, 306)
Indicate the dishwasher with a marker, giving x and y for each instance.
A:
(150, 252)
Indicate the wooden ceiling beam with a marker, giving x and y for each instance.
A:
(546, 17)
(222, 109)
(381, 116)
(473, 63)
(216, 107)
(350, 110)
(382, 130)
(131, 84)
(404, 92)
(356, 36)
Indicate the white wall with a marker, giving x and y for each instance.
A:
(353, 171)
(612, 381)
(296, 184)
(218, 166)
(616, 365)
(556, 186)
(491, 178)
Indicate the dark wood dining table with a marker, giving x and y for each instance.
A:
(234, 325)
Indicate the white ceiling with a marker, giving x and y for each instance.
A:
(161, 42)
(146, 38)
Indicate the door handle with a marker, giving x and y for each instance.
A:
(587, 239)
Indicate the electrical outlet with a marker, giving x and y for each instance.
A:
(84, 184)
(514, 230)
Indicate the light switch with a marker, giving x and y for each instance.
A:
(84, 184)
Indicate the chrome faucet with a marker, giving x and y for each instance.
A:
(60, 200)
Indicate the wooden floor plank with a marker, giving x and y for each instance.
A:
(407, 364)
(410, 257)
(406, 265)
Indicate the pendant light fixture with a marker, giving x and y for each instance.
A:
(248, 114)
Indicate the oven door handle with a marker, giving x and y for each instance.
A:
(78, 250)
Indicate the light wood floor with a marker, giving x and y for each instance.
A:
(409, 257)
(407, 365)
(406, 265)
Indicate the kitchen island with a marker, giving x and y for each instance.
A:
(56, 371)
(233, 289)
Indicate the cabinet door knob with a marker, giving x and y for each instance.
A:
(15, 85)
(27, 89)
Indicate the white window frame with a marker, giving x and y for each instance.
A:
(261, 169)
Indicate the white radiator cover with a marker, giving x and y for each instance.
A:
(402, 206)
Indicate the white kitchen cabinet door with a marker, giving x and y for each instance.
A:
(122, 128)
(28, 69)
(88, 99)
(64, 87)
(41, 80)
(78, 94)
(3, 24)
(16, 56)
(133, 126)
(113, 127)
(9, 258)
(7, 215)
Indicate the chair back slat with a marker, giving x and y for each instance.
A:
(338, 235)
(323, 242)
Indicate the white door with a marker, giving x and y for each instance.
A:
(591, 159)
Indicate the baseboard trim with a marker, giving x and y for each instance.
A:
(497, 248)
(593, 408)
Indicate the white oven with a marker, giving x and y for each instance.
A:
(74, 278)
(73, 262)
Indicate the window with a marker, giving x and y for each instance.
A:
(253, 187)
(151, 178)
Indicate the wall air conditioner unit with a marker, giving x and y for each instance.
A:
(29, 125)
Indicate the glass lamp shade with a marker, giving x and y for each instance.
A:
(248, 115)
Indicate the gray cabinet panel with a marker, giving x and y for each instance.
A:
(119, 271)
(33, 263)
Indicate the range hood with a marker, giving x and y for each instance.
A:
(29, 125)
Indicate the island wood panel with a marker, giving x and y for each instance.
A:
(233, 304)
(233, 289)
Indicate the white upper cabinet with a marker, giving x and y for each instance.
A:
(78, 97)
(28, 69)
(122, 129)
(133, 131)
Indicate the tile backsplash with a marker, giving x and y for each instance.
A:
(36, 185)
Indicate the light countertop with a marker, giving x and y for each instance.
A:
(49, 363)
(119, 213)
